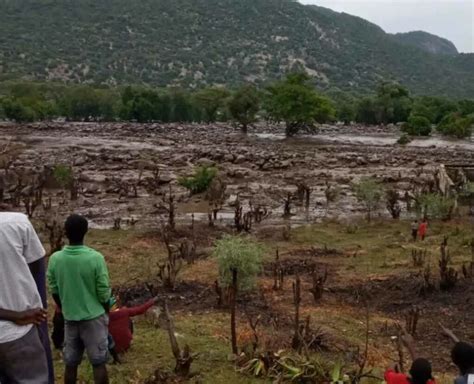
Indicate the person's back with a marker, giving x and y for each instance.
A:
(20, 302)
(79, 282)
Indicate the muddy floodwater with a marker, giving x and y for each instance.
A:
(116, 164)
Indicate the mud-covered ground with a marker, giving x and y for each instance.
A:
(261, 168)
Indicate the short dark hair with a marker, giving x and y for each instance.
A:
(76, 227)
(463, 356)
(420, 371)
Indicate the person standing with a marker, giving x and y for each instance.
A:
(414, 230)
(79, 282)
(422, 229)
(23, 357)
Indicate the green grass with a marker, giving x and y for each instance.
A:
(384, 248)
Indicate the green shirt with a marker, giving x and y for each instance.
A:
(78, 274)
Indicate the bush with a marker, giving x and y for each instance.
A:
(200, 181)
(456, 125)
(435, 206)
(404, 139)
(241, 254)
(417, 126)
(369, 192)
(63, 175)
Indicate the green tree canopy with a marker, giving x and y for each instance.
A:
(244, 106)
(295, 102)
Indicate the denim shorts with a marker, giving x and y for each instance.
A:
(88, 335)
(24, 360)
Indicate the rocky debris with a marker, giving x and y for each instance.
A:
(111, 160)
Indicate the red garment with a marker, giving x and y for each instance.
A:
(422, 229)
(392, 377)
(119, 324)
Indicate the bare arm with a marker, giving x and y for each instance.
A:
(450, 334)
(31, 316)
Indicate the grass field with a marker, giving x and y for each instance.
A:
(366, 253)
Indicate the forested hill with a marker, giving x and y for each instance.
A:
(428, 42)
(199, 42)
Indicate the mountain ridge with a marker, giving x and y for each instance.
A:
(195, 43)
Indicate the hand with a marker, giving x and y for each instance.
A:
(31, 316)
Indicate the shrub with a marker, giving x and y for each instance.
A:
(435, 206)
(404, 139)
(241, 254)
(417, 126)
(63, 174)
(456, 125)
(200, 181)
(369, 192)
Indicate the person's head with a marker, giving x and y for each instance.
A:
(420, 371)
(462, 355)
(76, 228)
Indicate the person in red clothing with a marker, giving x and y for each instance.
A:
(420, 371)
(120, 323)
(422, 229)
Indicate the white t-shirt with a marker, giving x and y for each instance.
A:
(19, 246)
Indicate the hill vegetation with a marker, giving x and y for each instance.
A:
(427, 42)
(197, 43)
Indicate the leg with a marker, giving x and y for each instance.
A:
(94, 335)
(43, 332)
(24, 360)
(73, 351)
(70, 374)
(100, 374)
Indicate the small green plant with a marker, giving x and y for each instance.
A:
(404, 139)
(200, 181)
(240, 254)
(435, 206)
(64, 175)
(369, 192)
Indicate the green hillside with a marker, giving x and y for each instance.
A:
(192, 43)
(427, 42)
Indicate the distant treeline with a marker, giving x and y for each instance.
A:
(293, 101)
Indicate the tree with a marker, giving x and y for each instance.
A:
(210, 100)
(200, 181)
(367, 111)
(417, 126)
(456, 125)
(394, 101)
(435, 206)
(242, 255)
(244, 106)
(369, 192)
(296, 103)
(17, 111)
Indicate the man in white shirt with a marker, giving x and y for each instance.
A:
(22, 354)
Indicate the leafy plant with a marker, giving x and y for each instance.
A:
(240, 254)
(200, 181)
(417, 126)
(436, 206)
(64, 175)
(369, 192)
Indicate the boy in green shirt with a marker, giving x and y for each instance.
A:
(79, 282)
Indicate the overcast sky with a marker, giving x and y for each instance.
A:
(452, 19)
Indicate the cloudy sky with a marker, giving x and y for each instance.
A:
(452, 19)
